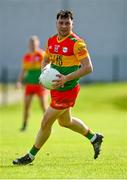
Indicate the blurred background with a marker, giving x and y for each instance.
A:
(102, 23)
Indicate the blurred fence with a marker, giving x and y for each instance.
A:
(8, 92)
(116, 71)
(105, 69)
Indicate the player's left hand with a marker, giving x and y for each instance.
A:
(59, 82)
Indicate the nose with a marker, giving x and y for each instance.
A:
(64, 25)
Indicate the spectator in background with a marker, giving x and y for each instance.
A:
(29, 75)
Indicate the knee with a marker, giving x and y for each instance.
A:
(64, 124)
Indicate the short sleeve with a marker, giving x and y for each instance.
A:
(80, 50)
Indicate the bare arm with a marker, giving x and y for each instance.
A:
(20, 78)
(86, 68)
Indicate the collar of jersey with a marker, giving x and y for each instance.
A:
(63, 38)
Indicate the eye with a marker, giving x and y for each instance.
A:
(60, 23)
(67, 23)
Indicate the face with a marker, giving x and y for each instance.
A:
(64, 26)
(34, 44)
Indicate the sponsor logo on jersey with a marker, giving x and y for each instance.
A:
(37, 58)
(56, 48)
(65, 49)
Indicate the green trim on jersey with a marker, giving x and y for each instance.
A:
(32, 76)
(67, 70)
(72, 38)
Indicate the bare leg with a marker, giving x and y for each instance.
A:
(44, 102)
(73, 123)
(49, 118)
(64, 120)
(27, 103)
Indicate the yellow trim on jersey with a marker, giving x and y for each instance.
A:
(59, 41)
(64, 61)
(80, 50)
(28, 66)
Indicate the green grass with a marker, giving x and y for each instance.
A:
(66, 154)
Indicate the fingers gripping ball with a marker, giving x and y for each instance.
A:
(47, 76)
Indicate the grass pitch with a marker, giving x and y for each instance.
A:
(67, 154)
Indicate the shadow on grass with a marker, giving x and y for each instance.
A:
(6, 166)
(120, 102)
(13, 166)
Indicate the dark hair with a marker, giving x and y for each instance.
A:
(64, 14)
